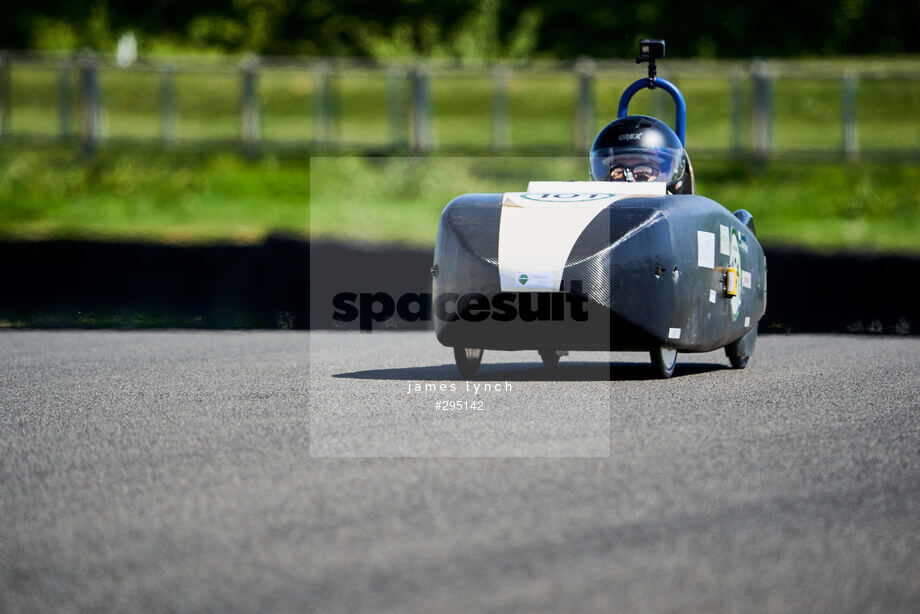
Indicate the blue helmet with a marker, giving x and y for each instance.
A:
(638, 148)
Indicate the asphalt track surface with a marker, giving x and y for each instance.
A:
(215, 471)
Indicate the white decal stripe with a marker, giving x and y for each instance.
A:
(535, 239)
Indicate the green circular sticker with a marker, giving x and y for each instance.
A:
(522, 279)
(734, 261)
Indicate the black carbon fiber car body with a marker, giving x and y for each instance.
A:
(637, 264)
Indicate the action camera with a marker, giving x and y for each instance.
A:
(650, 49)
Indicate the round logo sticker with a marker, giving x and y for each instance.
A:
(522, 279)
(734, 260)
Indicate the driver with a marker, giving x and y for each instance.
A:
(641, 148)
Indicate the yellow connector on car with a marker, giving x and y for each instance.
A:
(731, 281)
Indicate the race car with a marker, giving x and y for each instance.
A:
(632, 260)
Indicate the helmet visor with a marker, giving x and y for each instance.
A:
(637, 164)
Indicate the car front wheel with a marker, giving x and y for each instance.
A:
(468, 360)
(664, 359)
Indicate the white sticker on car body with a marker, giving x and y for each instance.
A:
(538, 229)
(617, 188)
(724, 240)
(536, 233)
(706, 249)
(538, 281)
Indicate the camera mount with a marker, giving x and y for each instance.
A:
(650, 49)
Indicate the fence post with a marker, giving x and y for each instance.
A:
(64, 99)
(396, 108)
(501, 132)
(763, 109)
(168, 105)
(6, 98)
(421, 110)
(250, 108)
(585, 111)
(850, 137)
(90, 105)
(321, 103)
(736, 96)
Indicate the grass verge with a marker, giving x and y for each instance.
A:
(154, 195)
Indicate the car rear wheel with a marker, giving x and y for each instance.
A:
(740, 351)
(664, 359)
(468, 360)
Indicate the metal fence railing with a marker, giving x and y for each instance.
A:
(760, 108)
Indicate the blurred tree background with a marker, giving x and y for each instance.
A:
(840, 134)
(560, 29)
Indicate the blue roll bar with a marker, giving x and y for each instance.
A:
(680, 123)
